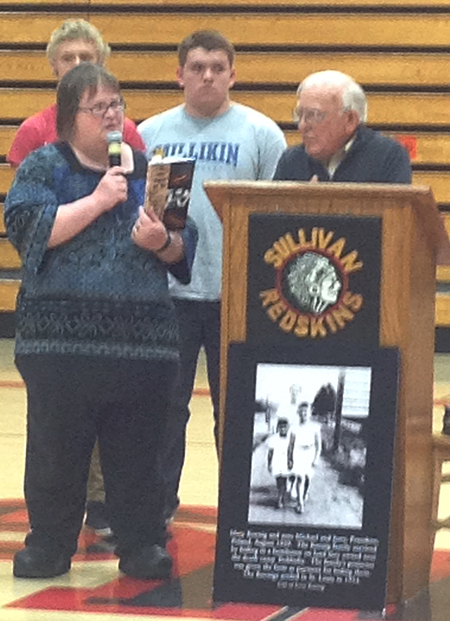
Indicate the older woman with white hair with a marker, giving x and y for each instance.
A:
(97, 334)
(331, 113)
(72, 43)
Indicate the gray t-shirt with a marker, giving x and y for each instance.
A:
(239, 144)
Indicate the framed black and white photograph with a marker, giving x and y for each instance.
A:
(309, 445)
(306, 476)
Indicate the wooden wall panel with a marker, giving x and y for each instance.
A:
(280, 3)
(446, 218)
(22, 103)
(6, 177)
(8, 293)
(438, 181)
(443, 273)
(258, 28)
(256, 3)
(378, 68)
(9, 259)
(7, 133)
(25, 65)
(277, 28)
(56, 3)
(442, 315)
(32, 27)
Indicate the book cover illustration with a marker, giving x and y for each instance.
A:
(168, 189)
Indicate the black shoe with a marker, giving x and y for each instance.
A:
(96, 518)
(34, 562)
(148, 563)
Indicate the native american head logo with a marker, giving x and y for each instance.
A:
(313, 282)
(311, 296)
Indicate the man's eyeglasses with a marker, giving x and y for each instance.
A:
(100, 109)
(313, 117)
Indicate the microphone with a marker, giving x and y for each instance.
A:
(114, 140)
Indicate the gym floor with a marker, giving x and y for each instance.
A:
(95, 590)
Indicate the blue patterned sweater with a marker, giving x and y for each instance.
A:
(98, 294)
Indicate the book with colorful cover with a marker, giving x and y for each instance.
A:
(168, 189)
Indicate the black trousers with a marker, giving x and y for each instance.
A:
(71, 401)
(199, 325)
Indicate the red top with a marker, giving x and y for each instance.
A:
(40, 129)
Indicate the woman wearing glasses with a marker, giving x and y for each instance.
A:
(96, 339)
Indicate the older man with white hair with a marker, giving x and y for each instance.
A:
(331, 113)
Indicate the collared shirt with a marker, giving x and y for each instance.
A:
(337, 157)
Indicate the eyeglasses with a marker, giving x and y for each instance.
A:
(313, 117)
(100, 109)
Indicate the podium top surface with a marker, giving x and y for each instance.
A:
(420, 197)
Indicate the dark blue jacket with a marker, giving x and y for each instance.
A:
(372, 158)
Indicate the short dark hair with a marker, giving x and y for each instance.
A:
(70, 91)
(282, 421)
(207, 39)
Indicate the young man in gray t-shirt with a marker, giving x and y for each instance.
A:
(228, 141)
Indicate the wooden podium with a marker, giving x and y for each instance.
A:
(413, 242)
